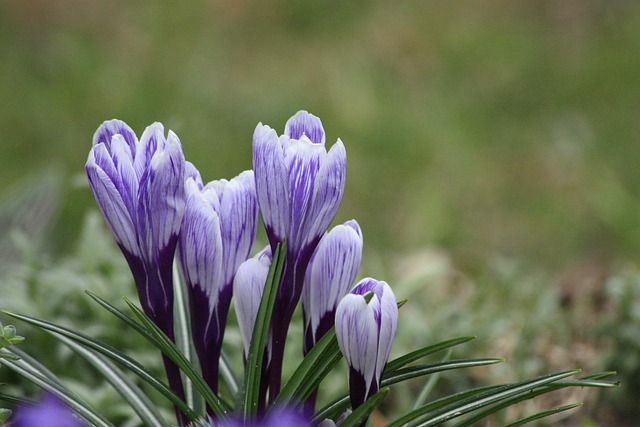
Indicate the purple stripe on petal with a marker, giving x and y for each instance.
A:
(152, 138)
(272, 182)
(305, 124)
(108, 129)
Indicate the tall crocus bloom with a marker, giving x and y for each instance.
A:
(218, 230)
(139, 186)
(365, 332)
(50, 411)
(332, 269)
(248, 287)
(300, 186)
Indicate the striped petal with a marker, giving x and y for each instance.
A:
(107, 130)
(304, 124)
(331, 272)
(272, 182)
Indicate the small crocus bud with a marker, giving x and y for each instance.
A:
(365, 332)
(218, 230)
(332, 269)
(248, 287)
(50, 411)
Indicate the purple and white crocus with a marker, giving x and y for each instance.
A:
(332, 269)
(300, 186)
(218, 230)
(365, 332)
(49, 411)
(139, 186)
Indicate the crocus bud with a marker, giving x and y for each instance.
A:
(300, 186)
(248, 287)
(332, 269)
(218, 230)
(365, 332)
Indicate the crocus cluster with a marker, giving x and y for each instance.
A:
(158, 208)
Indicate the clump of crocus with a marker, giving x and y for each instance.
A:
(299, 186)
(218, 230)
(365, 332)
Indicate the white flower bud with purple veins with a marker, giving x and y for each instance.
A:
(248, 287)
(218, 230)
(332, 269)
(365, 333)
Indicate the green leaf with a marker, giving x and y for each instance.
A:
(404, 374)
(250, 392)
(362, 412)
(481, 400)
(131, 393)
(227, 374)
(113, 354)
(312, 370)
(33, 374)
(544, 414)
(171, 351)
(423, 352)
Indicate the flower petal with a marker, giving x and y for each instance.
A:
(111, 204)
(331, 272)
(388, 327)
(272, 182)
(248, 287)
(304, 124)
(108, 129)
(152, 138)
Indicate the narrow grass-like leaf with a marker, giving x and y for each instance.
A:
(485, 399)
(15, 400)
(431, 383)
(362, 412)
(31, 373)
(249, 395)
(336, 407)
(227, 374)
(423, 352)
(172, 352)
(544, 414)
(131, 393)
(324, 355)
(417, 371)
(113, 354)
(183, 330)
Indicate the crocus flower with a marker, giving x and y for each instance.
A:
(218, 230)
(365, 332)
(139, 186)
(50, 411)
(332, 269)
(299, 185)
(248, 287)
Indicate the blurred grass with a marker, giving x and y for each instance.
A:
(498, 133)
(480, 127)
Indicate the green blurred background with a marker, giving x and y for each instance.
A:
(497, 138)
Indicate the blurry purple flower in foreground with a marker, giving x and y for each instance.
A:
(279, 418)
(218, 230)
(332, 269)
(248, 287)
(50, 412)
(139, 186)
(365, 333)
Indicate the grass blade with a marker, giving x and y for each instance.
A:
(362, 412)
(113, 354)
(131, 393)
(418, 371)
(423, 352)
(33, 374)
(312, 370)
(544, 414)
